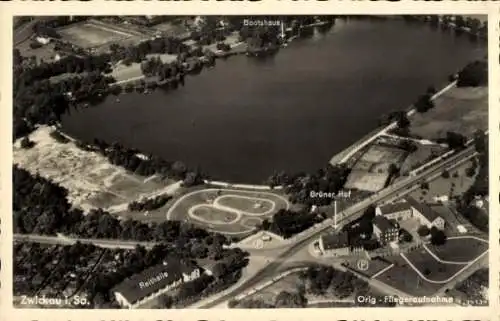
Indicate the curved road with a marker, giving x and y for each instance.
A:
(348, 215)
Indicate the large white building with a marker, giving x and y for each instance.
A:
(410, 208)
(153, 282)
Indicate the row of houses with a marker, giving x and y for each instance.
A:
(386, 226)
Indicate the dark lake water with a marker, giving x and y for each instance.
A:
(245, 119)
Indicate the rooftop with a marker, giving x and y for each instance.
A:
(424, 209)
(333, 241)
(153, 279)
(383, 223)
(394, 208)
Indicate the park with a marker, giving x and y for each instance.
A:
(235, 212)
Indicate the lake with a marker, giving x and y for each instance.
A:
(246, 118)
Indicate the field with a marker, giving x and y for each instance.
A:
(88, 34)
(426, 270)
(455, 185)
(423, 154)
(460, 110)
(229, 211)
(90, 179)
(46, 53)
(460, 249)
(371, 170)
(432, 270)
(405, 279)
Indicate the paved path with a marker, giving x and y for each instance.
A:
(448, 279)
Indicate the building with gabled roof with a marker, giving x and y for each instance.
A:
(154, 281)
(425, 214)
(385, 230)
(336, 244)
(395, 211)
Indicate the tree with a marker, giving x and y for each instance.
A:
(26, 143)
(424, 103)
(445, 174)
(438, 237)
(166, 301)
(402, 120)
(423, 230)
(405, 236)
(474, 74)
(480, 141)
(219, 270)
(455, 140)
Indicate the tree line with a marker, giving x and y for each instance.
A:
(41, 207)
(288, 223)
(330, 179)
(480, 187)
(149, 204)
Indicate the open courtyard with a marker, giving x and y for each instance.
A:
(227, 211)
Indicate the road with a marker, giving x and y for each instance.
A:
(348, 215)
(299, 243)
(61, 240)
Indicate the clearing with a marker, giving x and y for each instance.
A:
(459, 110)
(90, 179)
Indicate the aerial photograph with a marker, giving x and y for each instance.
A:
(229, 162)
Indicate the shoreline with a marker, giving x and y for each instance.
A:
(343, 156)
(338, 158)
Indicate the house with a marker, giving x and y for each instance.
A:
(395, 211)
(336, 244)
(153, 282)
(425, 214)
(385, 230)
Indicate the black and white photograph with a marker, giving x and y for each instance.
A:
(250, 162)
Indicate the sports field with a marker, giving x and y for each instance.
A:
(87, 35)
(371, 171)
(227, 211)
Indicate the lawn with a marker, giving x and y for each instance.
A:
(212, 215)
(403, 278)
(87, 35)
(460, 110)
(249, 205)
(456, 185)
(460, 249)
(242, 201)
(423, 154)
(431, 268)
